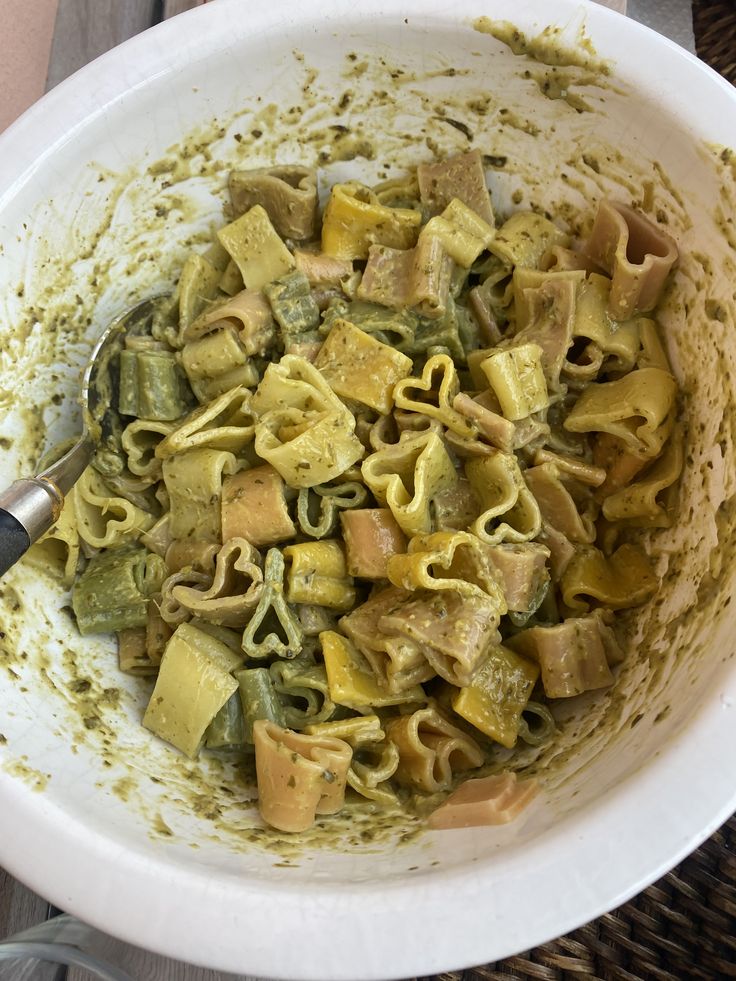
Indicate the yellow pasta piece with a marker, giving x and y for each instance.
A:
(525, 238)
(354, 220)
(193, 684)
(462, 232)
(407, 476)
(104, 519)
(298, 776)
(517, 379)
(453, 560)
(431, 750)
(623, 580)
(303, 428)
(226, 423)
(497, 695)
(430, 398)
(557, 506)
(637, 504)
(63, 537)
(256, 249)
(194, 482)
(637, 408)
(366, 737)
(318, 574)
(503, 493)
(197, 284)
(592, 320)
(359, 367)
(352, 681)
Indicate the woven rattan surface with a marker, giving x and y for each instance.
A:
(684, 926)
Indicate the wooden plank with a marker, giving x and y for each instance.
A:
(19, 907)
(140, 964)
(174, 7)
(86, 29)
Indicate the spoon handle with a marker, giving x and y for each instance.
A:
(28, 508)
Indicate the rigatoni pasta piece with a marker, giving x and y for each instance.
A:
(303, 428)
(498, 431)
(227, 729)
(462, 232)
(247, 311)
(194, 482)
(151, 385)
(573, 655)
(133, 654)
(354, 220)
(259, 699)
(194, 682)
(483, 801)
(557, 505)
(638, 504)
(451, 632)
(636, 408)
(407, 476)
(113, 591)
(431, 750)
(317, 574)
(525, 238)
(287, 193)
(418, 277)
(254, 507)
(216, 363)
(372, 536)
(461, 176)
(637, 255)
(619, 581)
(447, 560)
(497, 695)
(522, 570)
(517, 378)
(225, 423)
(352, 681)
(256, 249)
(298, 776)
(359, 367)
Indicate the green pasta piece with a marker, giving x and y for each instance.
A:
(194, 682)
(543, 725)
(328, 504)
(445, 332)
(306, 692)
(392, 327)
(274, 628)
(112, 593)
(258, 699)
(151, 386)
(294, 308)
(227, 729)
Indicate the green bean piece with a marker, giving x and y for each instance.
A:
(259, 699)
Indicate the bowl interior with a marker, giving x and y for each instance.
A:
(113, 179)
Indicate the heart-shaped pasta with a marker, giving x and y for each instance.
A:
(433, 395)
(406, 477)
(233, 594)
(431, 750)
(500, 487)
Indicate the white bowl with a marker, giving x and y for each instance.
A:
(113, 826)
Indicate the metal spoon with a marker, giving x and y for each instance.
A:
(31, 505)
